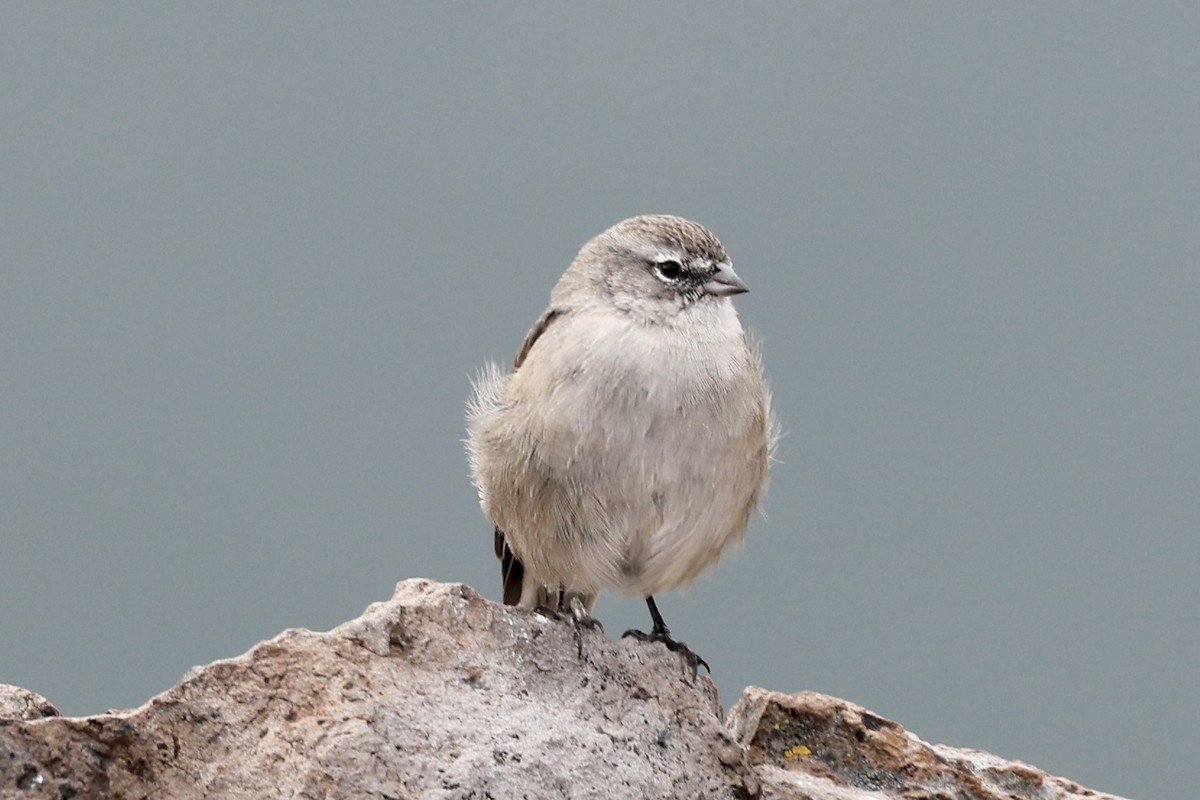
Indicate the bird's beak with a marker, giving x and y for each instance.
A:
(725, 282)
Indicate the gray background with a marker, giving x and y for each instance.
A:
(251, 257)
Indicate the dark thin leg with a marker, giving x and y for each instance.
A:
(655, 617)
(660, 633)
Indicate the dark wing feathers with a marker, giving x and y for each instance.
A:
(512, 571)
(537, 330)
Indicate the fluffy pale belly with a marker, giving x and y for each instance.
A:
(642, 509)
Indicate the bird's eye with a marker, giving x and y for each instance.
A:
(668, 270)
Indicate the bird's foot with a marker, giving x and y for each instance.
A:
(664, 636)
(574, 612)
(580, 619)
(552, 612)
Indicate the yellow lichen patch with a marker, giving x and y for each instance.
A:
(797, 751)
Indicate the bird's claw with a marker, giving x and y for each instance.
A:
(664, 636)
(577, 615)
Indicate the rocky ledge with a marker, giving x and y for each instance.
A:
(440, 693)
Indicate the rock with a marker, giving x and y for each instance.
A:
(810, 745)
(439, 693)
(18, 703)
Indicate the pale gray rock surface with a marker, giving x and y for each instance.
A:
(439, 693)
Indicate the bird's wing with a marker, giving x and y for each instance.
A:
(512, 571)
(539, 327)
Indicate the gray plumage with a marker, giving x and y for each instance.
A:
(630, 442)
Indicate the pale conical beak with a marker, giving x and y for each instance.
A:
(725, 282)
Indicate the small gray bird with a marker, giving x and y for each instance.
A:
(629, 444)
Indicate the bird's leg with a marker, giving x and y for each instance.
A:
(580, 619)
(660, 633)
(556, 611)
(570, 607)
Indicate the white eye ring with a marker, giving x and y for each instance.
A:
(668, 271)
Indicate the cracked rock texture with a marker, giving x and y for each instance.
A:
(439, 693)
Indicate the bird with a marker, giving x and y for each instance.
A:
(630, 441)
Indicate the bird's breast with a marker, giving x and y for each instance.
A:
(638, 398)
